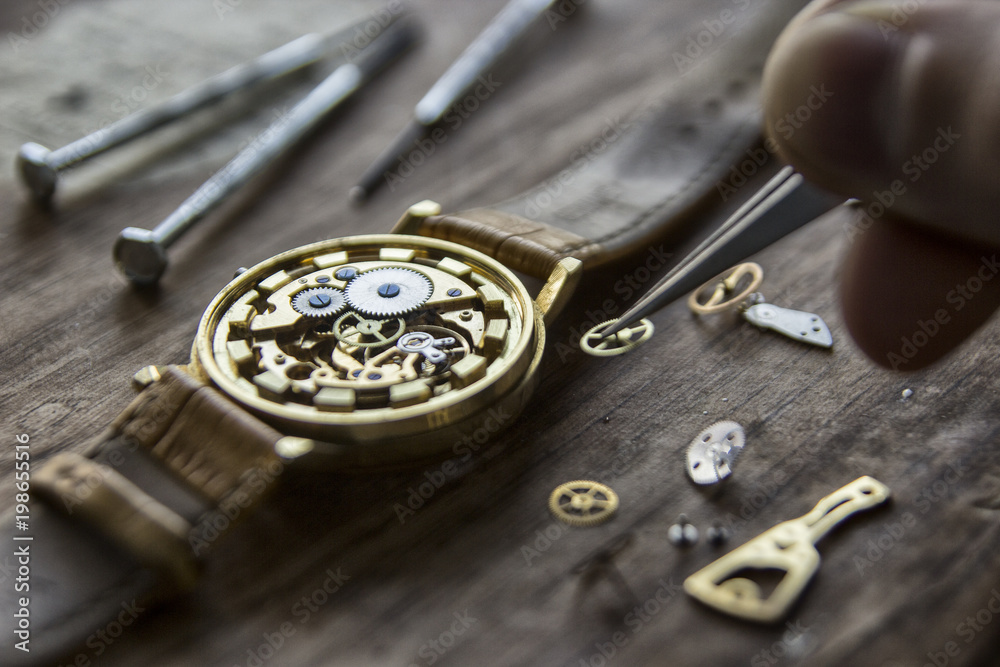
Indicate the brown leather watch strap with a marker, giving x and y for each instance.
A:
(642, 181)
(131, 519)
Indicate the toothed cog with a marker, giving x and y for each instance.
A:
(388, 292)
(318, 301)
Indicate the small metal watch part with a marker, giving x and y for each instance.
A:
(388, 292)
(795, 324)
(682, 533)
(711, 455)
(583, 503)
(319, 301)
(725, 293)
(717, 534)
(355, 331)
(596, 344)
(789, 547)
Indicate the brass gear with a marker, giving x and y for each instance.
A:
(583, 503)
(595, 344)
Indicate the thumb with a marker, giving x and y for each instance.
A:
(895, 102)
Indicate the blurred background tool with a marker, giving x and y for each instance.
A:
(39, 167)
(474, 62)
(141, 254)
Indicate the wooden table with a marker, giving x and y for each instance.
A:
(480, 573)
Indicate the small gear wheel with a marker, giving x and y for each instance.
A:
(318, 301)
(583, 503)
(388, 292)
(355, 331)
(596, 344)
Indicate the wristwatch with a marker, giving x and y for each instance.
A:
(361, 353)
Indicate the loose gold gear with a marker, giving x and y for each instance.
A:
(789, 546)
(596, 344)
(583, 503)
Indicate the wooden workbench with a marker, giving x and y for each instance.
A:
(480, 573)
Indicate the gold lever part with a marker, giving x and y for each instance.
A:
(787, 547)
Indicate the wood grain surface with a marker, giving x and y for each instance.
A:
(479, 573)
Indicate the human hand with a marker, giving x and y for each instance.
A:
(897, 103)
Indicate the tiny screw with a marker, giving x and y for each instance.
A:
(454, 291)
(388, 290)
(323, 279)
(717, 534)
(345, 274)
(319, 300)
(682, 533)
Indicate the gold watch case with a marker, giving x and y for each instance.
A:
(379, 349)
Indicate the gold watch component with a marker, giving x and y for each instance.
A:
(712, 454)
(788, 547)
(596, 344)
(728, 290)
(377, 349)
(583, 503)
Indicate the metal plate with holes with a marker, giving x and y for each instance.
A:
(796, 324)
(710, 456)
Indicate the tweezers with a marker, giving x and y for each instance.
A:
(784, 204)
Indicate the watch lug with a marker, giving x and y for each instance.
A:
(145, 377)
(414, 216)
(559, 288)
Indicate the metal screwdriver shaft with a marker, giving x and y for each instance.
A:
(474, 62)
(141, 253)
(39, 167)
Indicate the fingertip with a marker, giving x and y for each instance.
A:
(910, 296)
(825, 98)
